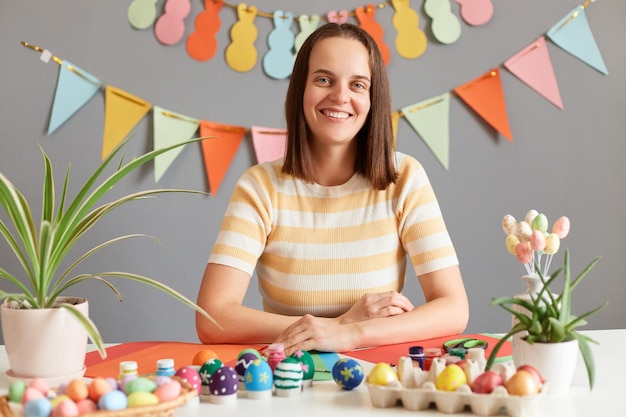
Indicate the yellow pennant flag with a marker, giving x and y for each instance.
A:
(121, 113)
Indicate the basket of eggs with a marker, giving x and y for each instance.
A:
(143, 396)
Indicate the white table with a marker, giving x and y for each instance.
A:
(325, 399)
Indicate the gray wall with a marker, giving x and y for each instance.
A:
(562, 162)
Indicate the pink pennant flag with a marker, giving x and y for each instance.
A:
(533, 66)
(269, 144)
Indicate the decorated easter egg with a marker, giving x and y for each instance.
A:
(86, 406)
(202, 356)
(308, 366)
(168, 391)
(56, 400)
(16, 391)
(39, 407)
(288, 377)
(191, 376)
(382, 374)
(347, 373)
(77, 390)
(561, 227)
(243, 361)
(39, 384)
(451, 378)
(553, 242)
(31, 394)
(140, 398)
(258, 379)
(140, 384)
(113, 400)
(540, 222)
(208, 369)
(66, 408)
(223, 385)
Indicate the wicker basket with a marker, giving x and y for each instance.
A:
(164, 409)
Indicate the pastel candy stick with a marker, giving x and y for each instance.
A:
(523, 231)
(509, 224)
(561, 227)
(540, 222)
(537, 240)
(524, 255)
(553, 242)
(530, 216)
(511, 244)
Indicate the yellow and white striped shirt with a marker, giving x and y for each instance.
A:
(319, 249)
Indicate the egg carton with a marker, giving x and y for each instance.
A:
(416, 390)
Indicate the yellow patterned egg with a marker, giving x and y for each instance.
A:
(382, 374)
(451, 378)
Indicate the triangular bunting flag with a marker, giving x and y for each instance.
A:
(269, 144)
(573, 34)
(484, 94)
(75, 87)
(219, 150)
(430, 119)
(170, 128)
(121, 113)
(533, 66)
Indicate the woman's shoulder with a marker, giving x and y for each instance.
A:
(406, 163)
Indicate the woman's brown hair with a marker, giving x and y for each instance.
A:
(374, 158)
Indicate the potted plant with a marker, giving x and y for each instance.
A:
(543, 318)
(41, 252)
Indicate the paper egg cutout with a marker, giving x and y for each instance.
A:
(243, 361)
(189, 374)
(288, 377)
(348, 373)
(224, 383)
(258, 379)
(308, 366)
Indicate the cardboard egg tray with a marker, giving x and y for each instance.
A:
(417, 399)
(415, 390)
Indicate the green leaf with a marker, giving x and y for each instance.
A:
(587, 355)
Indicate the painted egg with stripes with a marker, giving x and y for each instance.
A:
(288, 377)
(348, 373)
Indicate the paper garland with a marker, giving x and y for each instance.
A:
(429, 118)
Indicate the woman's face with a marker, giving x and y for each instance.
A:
(336, 98)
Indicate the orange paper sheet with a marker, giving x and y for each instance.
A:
(147, 353)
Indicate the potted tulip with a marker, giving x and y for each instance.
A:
(43, 285)
(543, 320)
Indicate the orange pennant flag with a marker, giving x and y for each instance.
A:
(122, 112)
(219, 151)
(484, 94)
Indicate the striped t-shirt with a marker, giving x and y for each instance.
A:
(319, 249)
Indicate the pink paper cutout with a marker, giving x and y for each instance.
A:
(269, 143)
(533, 66)
(340, 16)
(170, 27)
(476, 12)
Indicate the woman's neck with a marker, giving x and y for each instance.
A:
(334, 165)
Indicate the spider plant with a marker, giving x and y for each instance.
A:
(548, 317)
(41, 251)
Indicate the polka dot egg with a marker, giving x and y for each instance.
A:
(223, 384)
(348, 373)
(189, 374)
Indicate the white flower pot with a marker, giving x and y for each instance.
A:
(48, 343)
(554, 361)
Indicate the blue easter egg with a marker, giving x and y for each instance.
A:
(348, 373)
(113, 400)
(258, 376)
(39, 407)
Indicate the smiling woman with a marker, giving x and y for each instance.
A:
(329, 228)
